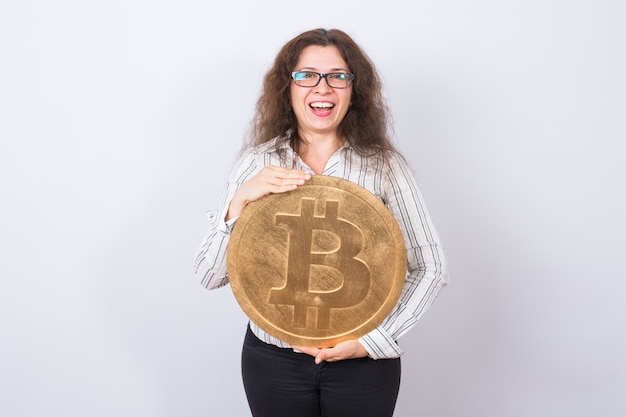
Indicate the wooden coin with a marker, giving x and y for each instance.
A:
(318, 265)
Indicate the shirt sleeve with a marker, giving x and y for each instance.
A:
(210, 261)
(426, 264)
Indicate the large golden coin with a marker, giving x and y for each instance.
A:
(318, 265)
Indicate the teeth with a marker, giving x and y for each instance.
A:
(322, 105)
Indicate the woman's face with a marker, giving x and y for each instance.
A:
(320, 109)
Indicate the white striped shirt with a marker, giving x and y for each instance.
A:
(394, 184)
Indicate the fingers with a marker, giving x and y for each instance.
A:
(273, 179)
(331, 355)
(325, 355)
(270, 180)
(279, 180)
(308, 350)
(349, 349)
(317, 353)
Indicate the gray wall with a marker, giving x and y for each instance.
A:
(118, 125)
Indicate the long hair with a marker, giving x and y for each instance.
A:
(365, 125)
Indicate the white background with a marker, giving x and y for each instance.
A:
(119, 121)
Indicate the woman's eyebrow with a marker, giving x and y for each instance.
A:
(331, 70)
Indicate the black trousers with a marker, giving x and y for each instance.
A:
(282, 383)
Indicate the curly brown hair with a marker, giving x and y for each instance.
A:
(365, 125)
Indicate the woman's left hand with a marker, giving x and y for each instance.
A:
(349, 349)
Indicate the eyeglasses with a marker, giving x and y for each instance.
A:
(312, 79)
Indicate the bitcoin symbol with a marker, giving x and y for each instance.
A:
(356, 275)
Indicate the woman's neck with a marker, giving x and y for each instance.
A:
(316, 153)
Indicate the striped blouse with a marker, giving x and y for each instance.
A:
(392, 181)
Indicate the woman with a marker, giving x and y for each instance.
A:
(321, 112)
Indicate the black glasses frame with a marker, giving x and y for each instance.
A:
(319, 78)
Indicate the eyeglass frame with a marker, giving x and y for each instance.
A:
(319, 78)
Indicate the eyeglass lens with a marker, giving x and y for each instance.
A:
(311, 79)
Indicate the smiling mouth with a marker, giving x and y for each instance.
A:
(321, 105)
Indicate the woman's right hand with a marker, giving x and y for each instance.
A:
(270, 180)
